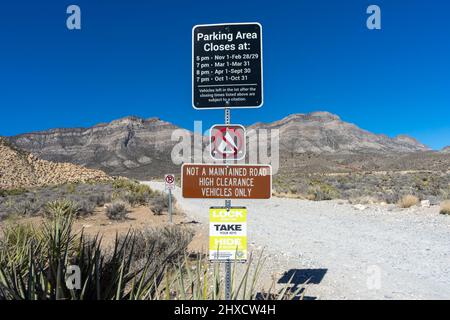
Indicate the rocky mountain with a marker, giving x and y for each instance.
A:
(130, 146)
(323, 132)
(141, 148)
(19, 169)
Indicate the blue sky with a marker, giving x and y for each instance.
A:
(134, 58)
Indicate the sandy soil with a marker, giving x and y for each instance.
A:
(139, 218)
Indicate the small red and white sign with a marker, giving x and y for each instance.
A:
(227, 142)
(169, 181)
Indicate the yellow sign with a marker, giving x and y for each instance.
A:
(228, 233)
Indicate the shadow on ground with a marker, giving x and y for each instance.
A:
(299, 278)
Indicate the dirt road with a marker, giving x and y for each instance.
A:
(381, 252)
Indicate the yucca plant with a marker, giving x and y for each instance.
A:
(39, 268)
(139, 266)
(61, 207)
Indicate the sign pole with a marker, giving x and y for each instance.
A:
(228, 280)
(169, 181)
(170, 205)
(228, 206)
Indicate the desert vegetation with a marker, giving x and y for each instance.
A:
(388, 187)
(445, 207)
(141, 265)
(117, 210)
(408, 201)
(82, 199)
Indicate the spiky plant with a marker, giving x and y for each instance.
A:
(62, 207)
(39, 269)
(34, 263)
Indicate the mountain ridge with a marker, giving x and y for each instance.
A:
(139, 147)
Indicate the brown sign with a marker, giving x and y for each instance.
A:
(226, 181)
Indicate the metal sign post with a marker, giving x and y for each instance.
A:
(169, 180)
(228, 280)
(170, 205)
(228, 206)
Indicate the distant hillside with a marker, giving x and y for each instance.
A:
(20, 169)
(446, 150)
(323, 132)
(141, 148)
(131, 146)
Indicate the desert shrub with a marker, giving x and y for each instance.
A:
(71, 188)
(445, 207)
(99, 199)
(116, 210)
(132, 192)
(12, 192)
(132, 198)
(160, 203)
(165, 244)
(322, 191)
(33, 202)
(86, 207)
(408, 201)
(123, 183)
(391, 197)
(62, 207)
(26, 207)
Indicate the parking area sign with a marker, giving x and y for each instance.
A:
(227, 66)
(228, 233)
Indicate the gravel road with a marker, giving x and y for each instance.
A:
(381, 252)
